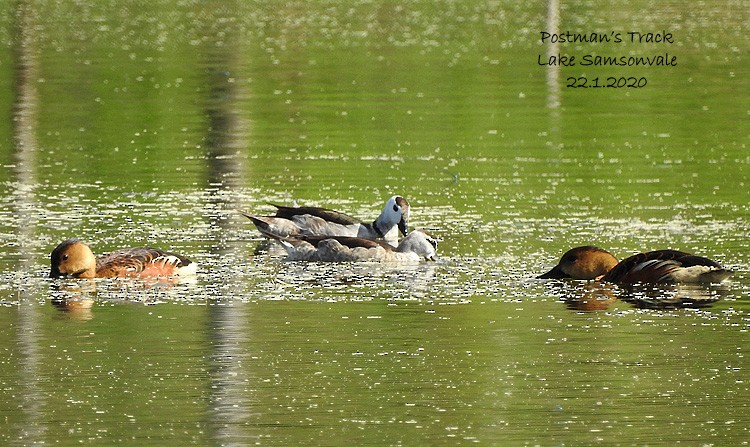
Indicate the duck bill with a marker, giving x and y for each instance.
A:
(66, 275)
(403, 225)
(555, 273)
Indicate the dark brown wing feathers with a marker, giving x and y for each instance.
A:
(654, 266)
(288, 212)
(133, 261)
(347, 241)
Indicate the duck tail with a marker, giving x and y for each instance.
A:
(716, 276)
(262, 225)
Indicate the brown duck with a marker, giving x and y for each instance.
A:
(661, 266)
(72, 258)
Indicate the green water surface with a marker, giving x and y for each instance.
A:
(152, 123)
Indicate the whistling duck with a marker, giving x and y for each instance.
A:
(661, 266)
(73, 258)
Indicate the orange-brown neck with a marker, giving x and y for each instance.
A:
(592, 264)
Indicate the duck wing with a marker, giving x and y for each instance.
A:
(348, 241)
(134, 261)
(289, 212)
(669, 266)
(274, 227)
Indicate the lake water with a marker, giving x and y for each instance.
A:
(152, 123)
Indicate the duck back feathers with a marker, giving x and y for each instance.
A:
(667, 266)
(328, 215)
(140, 262)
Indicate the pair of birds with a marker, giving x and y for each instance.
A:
(320, 234)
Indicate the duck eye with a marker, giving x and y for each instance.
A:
(395, 208)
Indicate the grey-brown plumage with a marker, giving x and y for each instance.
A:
(316, 221)
(415, 247)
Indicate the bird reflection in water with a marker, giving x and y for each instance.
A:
(585, 295)
(76, 298)
(672, 296)
(597, 295)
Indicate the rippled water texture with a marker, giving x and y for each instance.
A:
(153, 123)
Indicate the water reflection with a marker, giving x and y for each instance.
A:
(585, 295)
(669, 296)
(25, 124)
(553, 72)
(75, 308)
(77, 298)
(596, 295)
(261, 350)
(74, 298)
(359, 281)
(229, 335)
(227, 134)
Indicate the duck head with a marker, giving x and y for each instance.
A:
(421, 244)
(72, 258)
(397, 211)
(585, 262)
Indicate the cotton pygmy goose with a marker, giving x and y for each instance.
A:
(415, 247)
(316, 221)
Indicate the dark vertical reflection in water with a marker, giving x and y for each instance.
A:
(227, 133)
(553, 72)
(25, 106)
